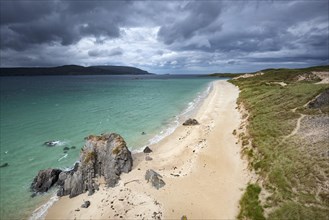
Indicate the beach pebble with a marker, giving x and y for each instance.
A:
(148, 158)
(86, 204)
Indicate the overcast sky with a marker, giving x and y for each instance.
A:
(165, 36)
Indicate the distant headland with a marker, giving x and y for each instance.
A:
(72, 70)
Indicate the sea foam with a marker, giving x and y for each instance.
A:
(41, 212)
(187, 112)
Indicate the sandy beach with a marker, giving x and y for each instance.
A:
(201, 166)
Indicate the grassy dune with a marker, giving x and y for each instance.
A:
(294, 171)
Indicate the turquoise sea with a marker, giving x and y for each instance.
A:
(67, 109)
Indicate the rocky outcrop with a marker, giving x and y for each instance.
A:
(190, 121)
(320, 101)
(154, 178)
(106, 155)
(45, 179)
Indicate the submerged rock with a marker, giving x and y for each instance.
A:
(154, 178)
(4, 165)
(190, 121)
(147, 150)
(66, 148)
(106, 155)
(51, 143)
(45, 179)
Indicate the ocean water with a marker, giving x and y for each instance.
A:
(67, 109)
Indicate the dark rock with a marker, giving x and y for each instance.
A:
(154, 178)
(85, 205)
(65, 151)
(51, 143)
(190, 121)
(33, 195)
(4, 165)
(148, 158)
(45, 179)
(106, 155)
(66, 148)
(72, 184)
(73, 147)
(147, 150)
(320, 101)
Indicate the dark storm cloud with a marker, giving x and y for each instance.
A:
(251, 26)
(190, 35)
(12, 12)
(192, 19)
(26, 23)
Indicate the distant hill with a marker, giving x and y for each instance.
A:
(271, 70)
(72, 70)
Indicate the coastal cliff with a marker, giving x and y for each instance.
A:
(102, 156)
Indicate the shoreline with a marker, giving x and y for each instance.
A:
(201, 166)
(179, 119)
(189, 111)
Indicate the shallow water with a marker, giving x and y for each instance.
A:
(68, 108)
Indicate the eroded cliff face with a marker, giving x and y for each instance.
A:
(106, 155)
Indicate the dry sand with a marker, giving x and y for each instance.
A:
(201, 166)
(324, 76)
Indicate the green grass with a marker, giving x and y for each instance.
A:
(291, 175)
(250, 207)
